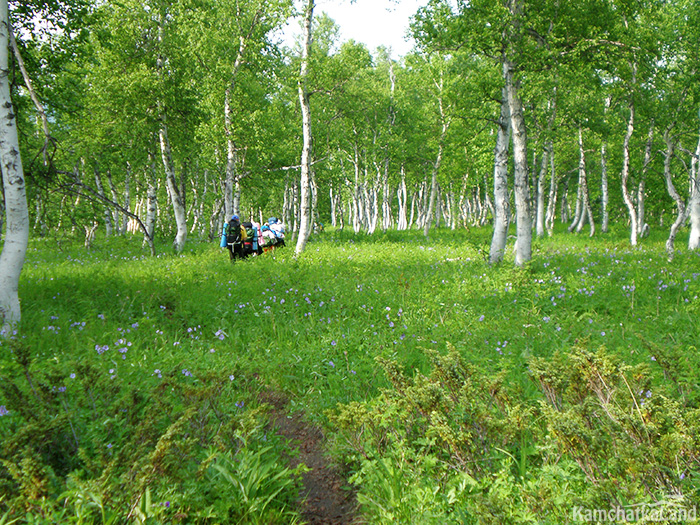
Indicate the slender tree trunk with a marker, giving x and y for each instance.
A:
(586, 209)
(694, 202)
(386, 197)
(173, 190)
(642, 226)
(578, 210)
(334, 205)
(115, 198)
(231, 153)
(438, 162)
(541, 187)
(101, 192)
(552, 201)
(402, 196)
(681, 210)
(501, 204)
(152, 199)
(127, 198)
(16, 213)
(605, 197)
(305, 182)
(523, 244)
(626, 168)
(176, 198)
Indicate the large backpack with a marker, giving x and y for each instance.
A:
(249, 230)
(250, 239)
(233, 231)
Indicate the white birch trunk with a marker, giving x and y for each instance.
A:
(605, 196)
(694, 202)
(626, 169)
(681, 210)
(642, 226)
(541, 186)
(152, 201)
(501, 200)
(402, 196)
(305, 182)
(101, 193)
(127, 198)
(386, 198)
(16, 213)
(586, 210)
(173, 190)
(553, 186)
(438, 160)
(115, 199)
(334, 205)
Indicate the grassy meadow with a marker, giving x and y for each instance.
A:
(138, 388)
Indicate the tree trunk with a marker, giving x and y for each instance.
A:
(694, 202)
(152, 200)
(305, 182)
(438, 160)
(552, 203)
(626, 169)
(682, 212)
(642, 226)
(541, 186)
(115, 198)
(16, 213)
(523, 243)
(402, 196)
(107, 211)
(173, 190)
(586, 210)
(501, 204)
(605, 197)
(127, 198)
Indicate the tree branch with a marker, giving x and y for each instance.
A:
(35, 99)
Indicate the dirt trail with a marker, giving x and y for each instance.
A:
(326, 497)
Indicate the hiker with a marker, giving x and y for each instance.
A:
(278, 229)
(250, 243)
(272, 234)
(232, 238)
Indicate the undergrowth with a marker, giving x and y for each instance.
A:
(453, 391)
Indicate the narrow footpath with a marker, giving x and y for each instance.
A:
(325, 497)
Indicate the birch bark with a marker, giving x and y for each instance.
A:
(681, 210)
(605, 197)
(523, 243)
(171, 182)
(305, 183)
(16, 213)
(694, 202)
(438, 161)
(626, 167)
(523, 217)
(501, 204)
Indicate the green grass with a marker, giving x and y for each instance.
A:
(129, 371)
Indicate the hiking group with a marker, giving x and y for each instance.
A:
(243, 239)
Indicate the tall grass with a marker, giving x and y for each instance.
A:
(129, 372)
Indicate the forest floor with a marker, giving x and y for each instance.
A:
(326, 497)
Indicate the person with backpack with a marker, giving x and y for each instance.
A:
(232, 238)
(278, 229)
(250, 243)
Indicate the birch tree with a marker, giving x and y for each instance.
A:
(305, 179)
(16, 237)
(501, 198)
